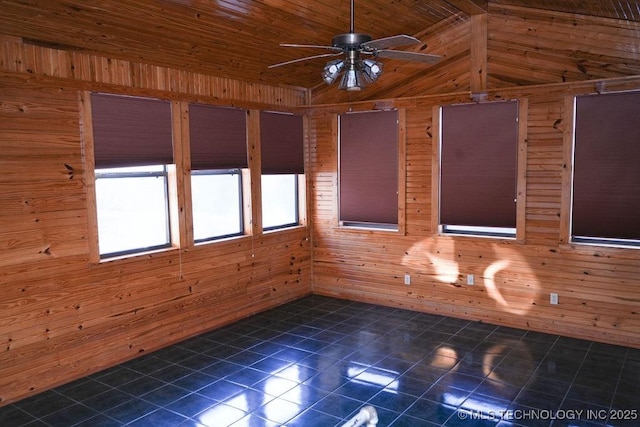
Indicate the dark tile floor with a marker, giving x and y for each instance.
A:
(318, 360)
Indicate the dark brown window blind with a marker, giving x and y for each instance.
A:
(218, 137)
(130, 131)
(281, 143)
(369, 167)
(479, 160)
(606, 173)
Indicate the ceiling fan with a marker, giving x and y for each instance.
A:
(360, 52)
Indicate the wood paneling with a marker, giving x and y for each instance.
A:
(620, 9)
(102, 73)
(524, 46)
(65, 315)
(599, 288)
(528, 46)
(241, 38)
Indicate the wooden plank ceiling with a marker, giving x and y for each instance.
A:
(240, 38)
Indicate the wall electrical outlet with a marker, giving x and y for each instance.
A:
(553, 298)
(470, 279)
(407, 279)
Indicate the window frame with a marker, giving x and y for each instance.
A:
(164, 173)
(178, 187)
(296, 179)
(567, 238)
(258, 153)
(179, 182)
(241, 220)
(216, 161)
(521, 182)
(360, 226)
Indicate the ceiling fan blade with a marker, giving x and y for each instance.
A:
(306, 58)
(310, 46)
(393, 41)
(408, 56)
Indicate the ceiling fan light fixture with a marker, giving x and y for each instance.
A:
(352, 80)
(372, 69)
(332, 71)
(358, 73)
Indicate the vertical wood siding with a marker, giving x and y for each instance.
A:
(63, 316)
(599, 288)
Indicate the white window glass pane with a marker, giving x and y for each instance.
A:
(279, 201)
(505, 232)
(216, 205)
(131, 169)
(132, 213)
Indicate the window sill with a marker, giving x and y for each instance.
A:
(285, 228)
(219, 239)
(365, 229)
(600, 249)
(148, 254)
(479, 236)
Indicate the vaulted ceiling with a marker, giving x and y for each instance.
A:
(240, 38)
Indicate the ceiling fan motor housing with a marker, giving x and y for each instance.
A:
(350, 40)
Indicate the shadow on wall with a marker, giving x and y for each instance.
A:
(512, 293)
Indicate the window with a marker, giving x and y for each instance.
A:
(478, 169)
(132, 209)
(606, 177)
(218, 145)
(282, 154)
(279, 201)
(217, 204)
(368, 169)
(133, 148)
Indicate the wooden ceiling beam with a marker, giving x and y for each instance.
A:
(479, 38)
(470, 7)
(477, 10)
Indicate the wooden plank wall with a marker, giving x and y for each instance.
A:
(62, 316)
(102, 73)
(599, 288)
